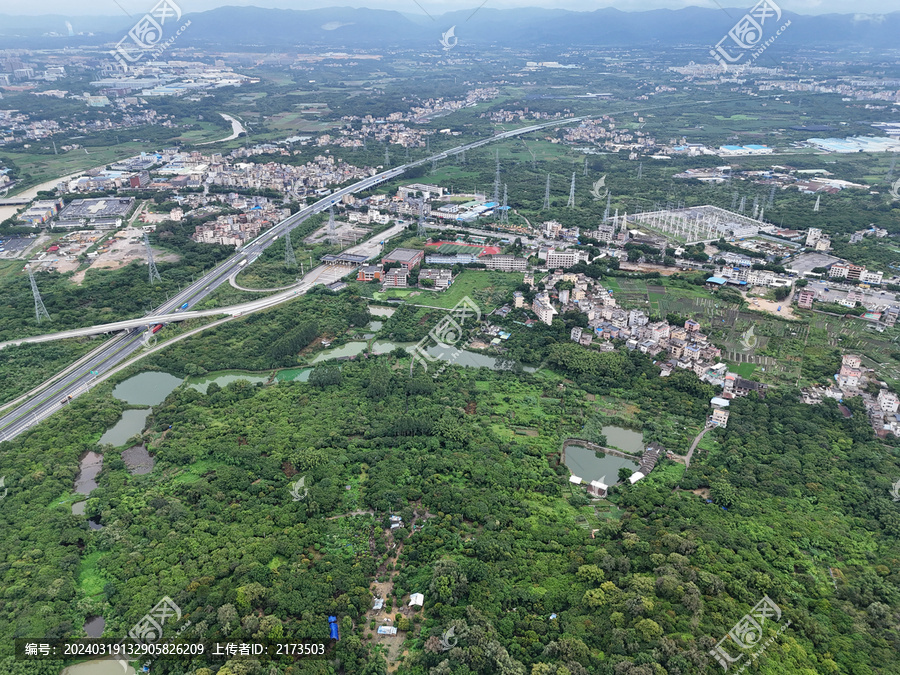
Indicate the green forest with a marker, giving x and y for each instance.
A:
(790, 501)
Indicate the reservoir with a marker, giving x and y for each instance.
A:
(624, 439)
(132, 422)
(147, 388)
(225, 377)
(584, 463)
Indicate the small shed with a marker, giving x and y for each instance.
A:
(635, 477)
(387, 630)
(378, 604)
(598, 488)
(416, 599)
(575, 479)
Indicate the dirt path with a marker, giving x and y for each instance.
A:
(393, 643)
(687, 457)
(358, 512)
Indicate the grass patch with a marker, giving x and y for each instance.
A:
(194, 472)
(90, 579)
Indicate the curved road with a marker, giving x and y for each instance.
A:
(58, 391)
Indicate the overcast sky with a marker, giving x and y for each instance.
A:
(138, 7)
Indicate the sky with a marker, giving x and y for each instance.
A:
(434, 7)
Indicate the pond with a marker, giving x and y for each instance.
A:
(132, 422)
(91, 464)
(349, 349)
(106, 666)
(381, 311)
(138, 460)
(585, 464)
(147, 388)
(94, 626)
(293, 375)
(384, 346)
(624, 439)
(225, 377)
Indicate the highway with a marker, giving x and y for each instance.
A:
(56, 394)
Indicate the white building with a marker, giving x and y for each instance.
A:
(544, 310)
(871, 277)
(887, 401)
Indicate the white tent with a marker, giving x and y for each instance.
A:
(635, 477)
(575, 479)
(416, 599)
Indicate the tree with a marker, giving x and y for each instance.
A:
(325, 375)
(624, 474)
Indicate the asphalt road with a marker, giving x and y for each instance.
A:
(57, 394)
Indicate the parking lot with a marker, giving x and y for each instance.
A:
(13, 247)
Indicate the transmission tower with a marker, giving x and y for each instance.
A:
(571, 203)
(606, 213)
(289, 259)
(504, 211)
(640, 170)
(818, 199)
(40, 312)
(154, 273)
(407, 154)
(755, 205)
(734, 200)
(387, 157)
(547, 194)
(585, 166)
(420, 231)
(331, 225)
(433, 165)
(743, 204)
(772, 196)
(497, 180)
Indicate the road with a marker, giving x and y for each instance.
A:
(236, 130)
(60, 390)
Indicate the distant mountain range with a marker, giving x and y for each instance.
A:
(346, 28)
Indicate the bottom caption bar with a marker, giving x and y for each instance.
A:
(42, 649)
